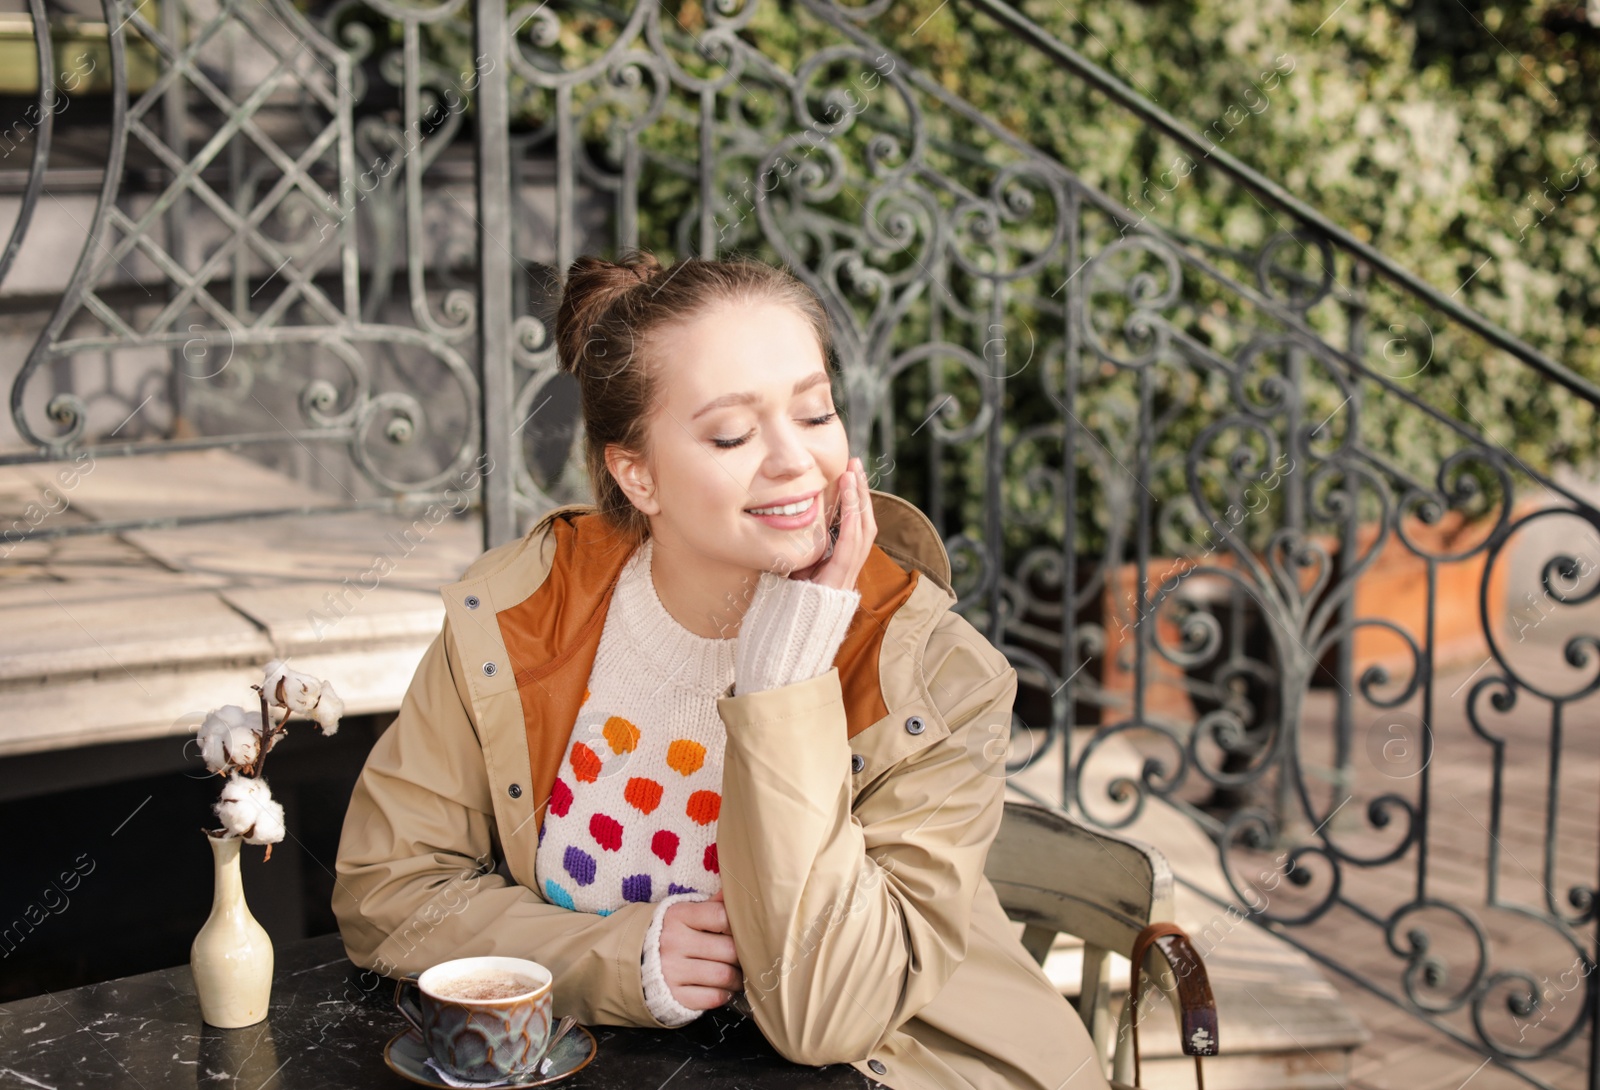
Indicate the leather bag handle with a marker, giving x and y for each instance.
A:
(1197, 1005)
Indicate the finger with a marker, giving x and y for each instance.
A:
(854, 542)
(849, 529)
(695, 973)
(703, 945)
(869, 519)
(868, 515)
(701, 999)
(707, 916)
(848, 490)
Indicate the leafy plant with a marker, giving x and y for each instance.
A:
(1460, 143)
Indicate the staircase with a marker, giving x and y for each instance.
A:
(1161, 464)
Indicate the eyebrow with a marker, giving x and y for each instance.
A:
(747, 397)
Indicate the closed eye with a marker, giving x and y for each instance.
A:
(815, 422)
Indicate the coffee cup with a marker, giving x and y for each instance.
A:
(482, 1019)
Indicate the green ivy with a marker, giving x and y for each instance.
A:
(1438, 140)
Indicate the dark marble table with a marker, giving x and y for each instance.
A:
(325, 1030)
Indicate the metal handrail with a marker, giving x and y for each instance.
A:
(1153, 115)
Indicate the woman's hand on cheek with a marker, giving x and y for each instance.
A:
(697, 957)
(858, 529)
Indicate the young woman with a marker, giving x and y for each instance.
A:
(718, 732)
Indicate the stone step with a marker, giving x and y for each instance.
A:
(115, 638)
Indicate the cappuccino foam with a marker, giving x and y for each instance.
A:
(491, 984)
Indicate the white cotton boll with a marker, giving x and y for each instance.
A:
(243, 740)
(213, 736)
(291, 689)
(269, 824)
(248, 810)
(228, 739)
(328, 710)
(240, 804)
(244, 746)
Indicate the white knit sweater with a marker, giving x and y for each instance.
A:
(633, 812)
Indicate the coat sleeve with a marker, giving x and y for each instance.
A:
(848, 922)
(415, 880)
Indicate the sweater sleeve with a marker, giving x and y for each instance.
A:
(790, 632)
(658, 995)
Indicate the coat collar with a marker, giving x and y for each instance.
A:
(549, 594)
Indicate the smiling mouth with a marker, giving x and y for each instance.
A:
(799, 507)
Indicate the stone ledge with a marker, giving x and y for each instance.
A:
(116, 638)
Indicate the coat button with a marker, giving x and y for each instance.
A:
(488, 669)
(857, 762)
(515, 790)
(877, 1066)
(471, 601)
(914, 725)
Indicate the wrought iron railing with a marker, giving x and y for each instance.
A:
(1165, 466)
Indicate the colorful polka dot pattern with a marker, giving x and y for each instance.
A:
(620, 839)
(632, 812)
(585, 763)
(685, 756)
(703, 807)
(579, 864)
(560, 798)
(665, 845)
(621, 735)
(642, 794)
(607, 832)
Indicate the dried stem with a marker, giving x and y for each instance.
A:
(266, 733)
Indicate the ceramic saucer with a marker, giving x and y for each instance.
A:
(406, 1056)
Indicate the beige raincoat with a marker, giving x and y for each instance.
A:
(858, 808)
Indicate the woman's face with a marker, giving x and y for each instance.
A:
(745, 419)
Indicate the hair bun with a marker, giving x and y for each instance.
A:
(593, 286)
(642, 264)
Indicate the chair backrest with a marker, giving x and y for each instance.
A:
(1054, 874)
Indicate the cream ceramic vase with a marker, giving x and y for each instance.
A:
(231, 958)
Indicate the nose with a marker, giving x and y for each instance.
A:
(787, 454)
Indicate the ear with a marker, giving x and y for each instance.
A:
(633, 477)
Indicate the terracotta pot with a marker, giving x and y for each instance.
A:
(1395, 589)
(231, 958)
(1166, 692)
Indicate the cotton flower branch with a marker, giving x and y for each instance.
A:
(235, 743)
(248, 810)
(289, 691)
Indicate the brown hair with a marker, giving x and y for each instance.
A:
(609, 312)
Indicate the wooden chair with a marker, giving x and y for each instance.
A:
(1054, 874)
